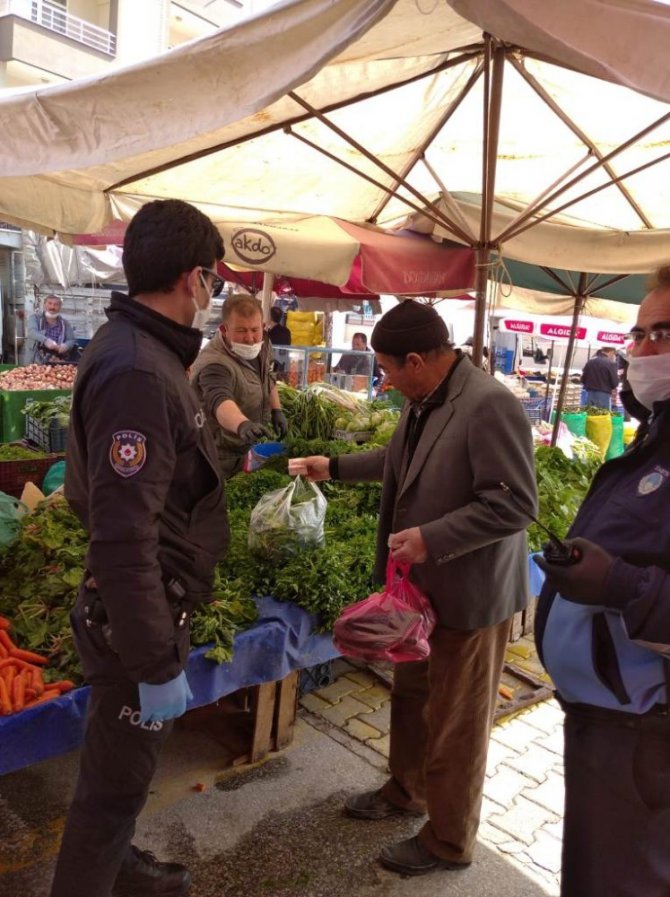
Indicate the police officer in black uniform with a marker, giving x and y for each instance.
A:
(142, 475)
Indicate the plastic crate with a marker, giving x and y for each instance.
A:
(315, 677)
(12, 419)
(51, 437)
(357, 436)
(535, 409)
(15, 474)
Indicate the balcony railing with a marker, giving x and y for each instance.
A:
(55, 18)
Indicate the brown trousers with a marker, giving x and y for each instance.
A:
(441, 715)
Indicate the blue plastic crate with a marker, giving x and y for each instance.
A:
(315, 677)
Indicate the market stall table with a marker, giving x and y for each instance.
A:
(281, 641)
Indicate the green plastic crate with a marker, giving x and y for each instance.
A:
(12, 419)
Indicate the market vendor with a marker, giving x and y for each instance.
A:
(52, 335)
(142, 478)
(444, 511)
(350, 363)
(233, 380)
(600, 377)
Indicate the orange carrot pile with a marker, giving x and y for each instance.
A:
(21, 681)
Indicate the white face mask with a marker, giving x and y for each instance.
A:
(202, 315)
(649, 378)
(246, 350)
(51, 315)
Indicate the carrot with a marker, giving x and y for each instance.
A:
(37, 681)
(505, 692)
(28, 656)
(3, 652)
(4, 623)
(6, 642)
(19, 691)
(5, 703)
(63, 686)
(14, 662)
(47, 696)
(10, 676)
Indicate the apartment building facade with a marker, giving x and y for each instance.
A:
(48, 42)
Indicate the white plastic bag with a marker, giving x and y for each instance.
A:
(286, 521)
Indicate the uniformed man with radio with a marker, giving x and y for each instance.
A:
(603, 633)
(142, 476)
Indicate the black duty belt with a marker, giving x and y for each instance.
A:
(657, 719)
(96, 613)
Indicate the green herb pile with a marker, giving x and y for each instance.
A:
(315, 413)
(40, 575)
(41, 572)
(562, 484)
(11, 452)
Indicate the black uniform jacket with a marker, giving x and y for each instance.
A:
(142, 476)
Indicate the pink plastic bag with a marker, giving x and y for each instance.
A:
(393, 625)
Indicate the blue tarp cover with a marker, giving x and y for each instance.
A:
(280, 642)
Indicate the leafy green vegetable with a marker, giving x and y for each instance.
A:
(57, 409)
(562, 484)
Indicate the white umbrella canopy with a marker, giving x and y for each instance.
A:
(290, 115)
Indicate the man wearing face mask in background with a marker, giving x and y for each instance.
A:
(603, 633)
(233, 381)
(142, 476)
(52, 335)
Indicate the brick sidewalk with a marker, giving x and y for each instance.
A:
(523, 793)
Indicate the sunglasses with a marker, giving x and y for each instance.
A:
(217, 284)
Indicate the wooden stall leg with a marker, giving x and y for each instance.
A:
(265, 703)
(286, 705)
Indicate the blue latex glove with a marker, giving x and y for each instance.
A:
(165, 701)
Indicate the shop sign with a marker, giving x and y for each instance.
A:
(615, 339)
(561, 331)
(519, 326)
(253, 246)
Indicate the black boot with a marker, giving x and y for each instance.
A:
(142, 875)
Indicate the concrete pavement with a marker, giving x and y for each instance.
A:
(277, 830)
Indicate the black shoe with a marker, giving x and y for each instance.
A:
(142, 875)
(412, 857)
(373, 805)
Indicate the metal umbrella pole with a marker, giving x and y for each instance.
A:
(580, 299)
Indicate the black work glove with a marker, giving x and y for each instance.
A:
(584, 581)
(250, 432)
(279, 422)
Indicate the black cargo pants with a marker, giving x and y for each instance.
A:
(617, 805)
(118, 761)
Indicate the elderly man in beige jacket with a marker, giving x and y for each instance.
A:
(444, 510)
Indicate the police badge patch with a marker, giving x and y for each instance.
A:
(652, 481)
(128, 452)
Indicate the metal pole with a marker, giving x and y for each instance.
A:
(266, 294)
(494, 67)
(482, 257)
(550, 358)
(578, 308)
